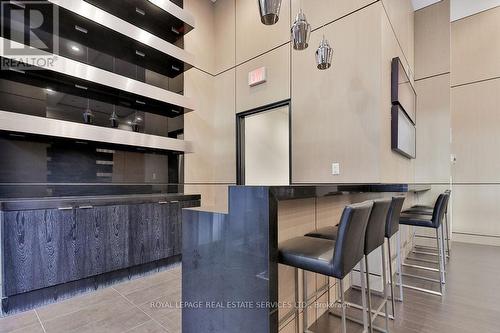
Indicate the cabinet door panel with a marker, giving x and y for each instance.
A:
(174, 223)
(37, 251)
(117, 244)
(139, 244)
(93, 221)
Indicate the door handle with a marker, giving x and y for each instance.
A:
(86, 207)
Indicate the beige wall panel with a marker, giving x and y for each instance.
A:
(223, 135)
(433, 134)
(214, 197)
(201, 40)
(476, 138)
(295, 218)
(394, 168)
(401, 15)
(254, 38)
(432, 40)
(225, 34)
(276, 88)
(199, 126)
(320, 12)
(475, 50)
(334, 112)
(329, 210)
(476, 209)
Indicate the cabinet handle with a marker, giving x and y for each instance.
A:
(86, 207)
(163, 202)
(65, 208)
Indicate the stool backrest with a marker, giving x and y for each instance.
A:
(392, 223)
(375, 230)
(440, 209)
(350, 243)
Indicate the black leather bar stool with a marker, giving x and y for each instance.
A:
(435, 222)
(391, 229)
(374, 238)
(427, 210)
(330, 258)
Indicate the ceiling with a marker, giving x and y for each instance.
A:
(460, 8)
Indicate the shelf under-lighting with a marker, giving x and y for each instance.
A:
(21, 123)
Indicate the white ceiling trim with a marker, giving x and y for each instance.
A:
(419, 4)
(464, 8)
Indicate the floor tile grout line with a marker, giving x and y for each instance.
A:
(137, 326)
(40, 321)
(156, 321)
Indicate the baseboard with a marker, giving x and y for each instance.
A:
(36, 298)
(476, 239)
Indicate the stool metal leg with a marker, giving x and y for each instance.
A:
(384, 281)
(391, 274)
(342, 301)
(400, 266)
(305, 324)
(363, 294)
(369, 294)
(448, 232)
(443, 247)
(440, 259)
(297, 301)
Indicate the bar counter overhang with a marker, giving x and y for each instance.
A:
(229, 261)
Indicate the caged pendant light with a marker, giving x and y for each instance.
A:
(269, 11)
(301, 31)
(324, 55)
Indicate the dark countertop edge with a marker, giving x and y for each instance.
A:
(304, 191)
(100, 200)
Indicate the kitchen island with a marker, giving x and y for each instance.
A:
(230, 277)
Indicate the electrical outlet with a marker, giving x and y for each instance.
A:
(335, 169)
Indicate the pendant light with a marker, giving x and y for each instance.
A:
(269, 11)
(88, 115)
(136, 124)
(301, 31)
(114, 116)
(324, 55)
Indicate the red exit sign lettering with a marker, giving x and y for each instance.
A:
(257, 76)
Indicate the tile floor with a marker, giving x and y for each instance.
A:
(142, 305)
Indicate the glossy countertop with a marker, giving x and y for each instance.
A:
(100, 200)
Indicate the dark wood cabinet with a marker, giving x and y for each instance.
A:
(47, 247)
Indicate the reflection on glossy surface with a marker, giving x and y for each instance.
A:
(225, 265)
(49, 103)
(58, 161)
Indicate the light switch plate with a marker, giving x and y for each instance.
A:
(335, 169)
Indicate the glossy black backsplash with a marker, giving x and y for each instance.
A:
(63, 168)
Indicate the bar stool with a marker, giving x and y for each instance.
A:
(392, 228)
(334, 259)
(374, 238)
(427, 210)
(435, 222)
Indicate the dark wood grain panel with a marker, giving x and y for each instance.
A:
(140, 249)
(117, 244)
(95, 228)
(35, 249)
(175, 235)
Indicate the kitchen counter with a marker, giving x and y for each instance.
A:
(101, 200)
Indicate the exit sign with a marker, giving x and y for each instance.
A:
(257, 76)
